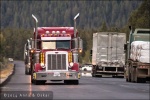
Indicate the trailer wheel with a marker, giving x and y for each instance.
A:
(127, 80)
(141, 80)
(130, 77)
(93, 75)
(114, 76)
(99, 75)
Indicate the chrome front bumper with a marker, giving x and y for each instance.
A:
(56, 75)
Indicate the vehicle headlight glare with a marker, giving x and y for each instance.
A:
(71, 64)
(42, 65)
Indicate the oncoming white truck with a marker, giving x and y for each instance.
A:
(108, 57)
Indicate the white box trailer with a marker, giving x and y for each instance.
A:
(108, 56)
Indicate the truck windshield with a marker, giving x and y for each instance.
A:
(56, 44)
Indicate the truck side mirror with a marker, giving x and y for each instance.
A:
(80, 45)
(91, 52)
(74, 43)
(125, 47)
(130, 27)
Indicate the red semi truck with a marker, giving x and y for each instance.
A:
(55, 54)
(27, 56)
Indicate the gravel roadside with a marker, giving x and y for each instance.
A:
(6, 73)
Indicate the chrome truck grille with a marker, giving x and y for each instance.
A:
(56, 62)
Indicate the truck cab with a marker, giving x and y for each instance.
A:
(55, 55)
(27, 56)
(137, 70)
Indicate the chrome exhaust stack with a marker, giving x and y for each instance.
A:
(75, 25)
(35, 30)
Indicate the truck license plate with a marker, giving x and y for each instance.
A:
(56, 74)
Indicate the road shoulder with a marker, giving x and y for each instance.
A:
(6, 74)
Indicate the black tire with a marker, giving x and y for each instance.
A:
(66, 82)
(127, 80)
(26, 71)
(119, 76)
(98, 75)
(39, 82)
(141, 80)
(29, 71)
(70, 82)
(76, 82)
(32, 80)
(93, 75)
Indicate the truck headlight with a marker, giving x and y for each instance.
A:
(71, 64)
(42, 65)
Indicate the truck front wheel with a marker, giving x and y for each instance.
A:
(39, 82)
(32, 80)
(75, 82)
(26, 71)
(141, 80)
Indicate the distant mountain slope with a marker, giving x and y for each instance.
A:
(17, 13)
(140, 18)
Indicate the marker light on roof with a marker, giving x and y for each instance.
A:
(53, 32)
(57, 32)
(63, 32)
(47, 32)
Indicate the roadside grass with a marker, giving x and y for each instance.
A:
(6, 71)
(6, 68)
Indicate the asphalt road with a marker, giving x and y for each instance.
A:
(88, 88)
